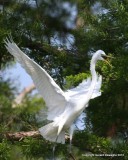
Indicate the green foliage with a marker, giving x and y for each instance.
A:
(111, 108)
(92, 142)
(33, 28)
(35, 148)
(6, 96)
(39, 148)
(4, 150)
(75, 80)
(121, 148)
(24, 116)
(100, 146)
(20, 118)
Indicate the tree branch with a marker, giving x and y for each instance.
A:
(47, 49)
(18, 136)
(21, 96)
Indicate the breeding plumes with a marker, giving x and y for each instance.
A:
(64, 107)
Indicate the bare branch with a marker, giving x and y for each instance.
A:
(21, 96)
(18, 136)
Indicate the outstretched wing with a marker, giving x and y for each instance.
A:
(83, 88)
(54, 97)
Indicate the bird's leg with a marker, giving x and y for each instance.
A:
(71, 131)
(54, 147)
(72, 128)
(53, 151)
(70, 147)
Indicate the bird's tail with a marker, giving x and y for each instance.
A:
(49, 132)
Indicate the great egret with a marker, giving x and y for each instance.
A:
(63, 107)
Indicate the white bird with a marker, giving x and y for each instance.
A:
(63, 107)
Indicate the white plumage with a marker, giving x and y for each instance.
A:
(63, 107)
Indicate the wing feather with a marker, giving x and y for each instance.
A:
(83, 88)
(54, 97)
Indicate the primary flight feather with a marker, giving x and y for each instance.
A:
(63, 107)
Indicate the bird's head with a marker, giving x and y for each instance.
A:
(100, 55)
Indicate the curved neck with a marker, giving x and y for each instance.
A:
(92, 86)
(93, 71)
(94, 78)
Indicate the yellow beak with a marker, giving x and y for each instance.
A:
(109, 56)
